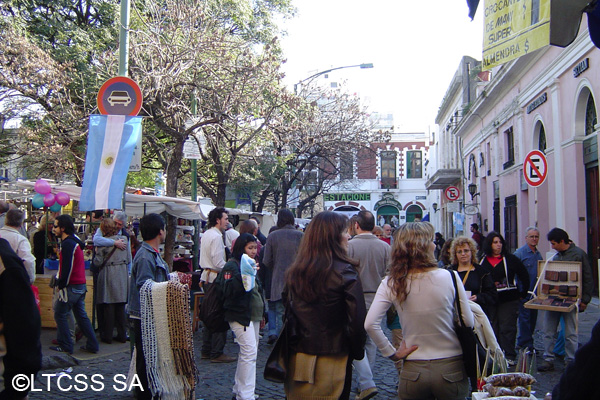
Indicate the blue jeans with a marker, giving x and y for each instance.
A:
(275, 317)
(527, 320)
(76, 303)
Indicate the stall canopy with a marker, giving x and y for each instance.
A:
(137, 205)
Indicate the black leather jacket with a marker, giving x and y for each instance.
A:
(336, 325)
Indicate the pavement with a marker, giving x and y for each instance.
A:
(111, 364)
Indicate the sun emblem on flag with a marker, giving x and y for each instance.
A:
(108, 160)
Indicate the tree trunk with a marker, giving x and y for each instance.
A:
(173, 168)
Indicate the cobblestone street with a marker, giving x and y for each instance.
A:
(216, 380)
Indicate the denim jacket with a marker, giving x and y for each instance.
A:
(147, 264)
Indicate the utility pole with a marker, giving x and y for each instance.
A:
(124, 39)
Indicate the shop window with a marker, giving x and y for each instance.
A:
(388, 170)
(414, 165)
(510, 148)
(590, 116)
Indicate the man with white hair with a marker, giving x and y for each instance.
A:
(19, 243)
(529, 256)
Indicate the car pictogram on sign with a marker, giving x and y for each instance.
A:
(119, 97)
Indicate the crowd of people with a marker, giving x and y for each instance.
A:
(329, 289)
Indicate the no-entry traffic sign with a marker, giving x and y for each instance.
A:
(452, 193)
(535, 168)
(120, 96)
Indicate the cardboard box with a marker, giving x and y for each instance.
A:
(558, 286)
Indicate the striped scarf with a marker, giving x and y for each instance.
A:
(165, 313)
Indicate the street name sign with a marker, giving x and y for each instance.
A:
(535, 168)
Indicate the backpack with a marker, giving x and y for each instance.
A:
(212, 313)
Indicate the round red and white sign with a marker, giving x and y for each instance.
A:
(452, 193)
(535, 168)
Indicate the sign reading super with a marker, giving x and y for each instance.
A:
(514, 28)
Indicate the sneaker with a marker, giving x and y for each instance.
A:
(87, 350)
(511, 362)
(367, 394)
(546, 365)
(223, 358)
(272, 339)
(60, 349)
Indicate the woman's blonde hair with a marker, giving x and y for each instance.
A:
(463, 241)
(108, 226)
(411, 252)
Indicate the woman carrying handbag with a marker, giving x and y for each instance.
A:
(329, 310)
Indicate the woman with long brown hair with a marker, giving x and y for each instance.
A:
(325, 298)
(423, 296)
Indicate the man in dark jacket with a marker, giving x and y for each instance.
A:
(71, 288)
(20, 324)
(280, 252)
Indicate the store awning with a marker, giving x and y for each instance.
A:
(136, 205)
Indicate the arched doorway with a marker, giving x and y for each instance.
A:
(388, 215)
(586, 120)
(413, 212)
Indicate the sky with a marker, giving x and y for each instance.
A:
(415, 47)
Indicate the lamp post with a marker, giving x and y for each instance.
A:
(361, 66)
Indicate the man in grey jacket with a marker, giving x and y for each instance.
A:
(373, 255)
(280, 253)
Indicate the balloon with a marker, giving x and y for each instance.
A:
(62, 198)
(38, 201)
(55, 207)
(42, 187)
(49, 200)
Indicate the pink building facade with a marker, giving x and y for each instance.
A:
(544, 101)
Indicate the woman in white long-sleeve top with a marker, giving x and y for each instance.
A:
(423, 296)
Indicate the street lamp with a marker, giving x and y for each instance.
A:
(473, 190)
(361, 66)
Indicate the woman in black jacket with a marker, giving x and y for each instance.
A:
(325, 298)
(244, 308)
(478, 282)
(503, 268)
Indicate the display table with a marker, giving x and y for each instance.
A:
(46, 293)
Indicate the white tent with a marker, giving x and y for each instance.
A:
(137, 205)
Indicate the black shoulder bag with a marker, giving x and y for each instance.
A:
(276, 367)
(466, 336)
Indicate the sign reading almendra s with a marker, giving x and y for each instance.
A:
(347, 197)
(513, 28)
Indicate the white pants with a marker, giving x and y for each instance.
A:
(245, 374)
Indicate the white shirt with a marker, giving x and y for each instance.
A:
(212, 254)
(426, 315)
(230, 236)
(21, 246)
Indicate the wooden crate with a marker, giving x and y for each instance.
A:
(542, 300)
(46, 295)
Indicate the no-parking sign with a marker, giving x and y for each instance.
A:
(452, 193)
(119, 96)
(535, 168)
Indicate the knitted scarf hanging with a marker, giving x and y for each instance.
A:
(167, 340)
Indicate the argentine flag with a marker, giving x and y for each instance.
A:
(111, 141)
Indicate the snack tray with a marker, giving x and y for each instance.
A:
(557, 266)
(485, 395)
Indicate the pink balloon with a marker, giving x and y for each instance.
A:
(62, 198)
(42, 187)
(49, 200)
